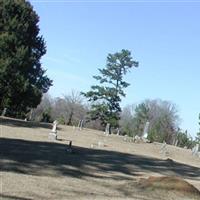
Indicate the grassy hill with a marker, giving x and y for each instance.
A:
(100, 167)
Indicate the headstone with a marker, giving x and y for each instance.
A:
(107, 129)
(53, 133)
(4, 112)
(125, 138)
(80, 124)
(175, 140)
(145, 132)
(176, 143)
(118, 131)
(30, 115)
(137, 139)
(195, 150)
(163, 149)
(100, 144)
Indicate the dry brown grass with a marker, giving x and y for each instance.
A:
(32, 167)
(168, 183)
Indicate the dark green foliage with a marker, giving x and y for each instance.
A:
(46, 116)
(162, 117)
(61, 120)
(140, 118)
(184, 140)
(22, 79)
(106, 96)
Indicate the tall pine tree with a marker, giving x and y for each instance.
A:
(22, 79)
(106, 96)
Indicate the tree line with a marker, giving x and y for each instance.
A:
(24, 84)
(162, 116)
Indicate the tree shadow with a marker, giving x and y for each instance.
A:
(10, 197)
(27, 124)
(43, 158)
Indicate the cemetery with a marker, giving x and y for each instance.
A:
(90, 164)
(129, 128)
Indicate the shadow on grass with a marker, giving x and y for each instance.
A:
(21, 123)
(9, 197)
(48, 158)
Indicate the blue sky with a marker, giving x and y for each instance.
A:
(163, 36)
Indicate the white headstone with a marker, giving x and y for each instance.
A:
(137, 139)
(4, 112)
(30, 115)
(107, 129)
(195, 150)
(118, 131)
(145, 132)
(55, 123)
(100, 144)
(176, 143)
(53, 133)
(52, 136)
(125, 138)
(80, 124)
(163, 149)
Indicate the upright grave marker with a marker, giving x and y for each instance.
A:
(53, 133)
(80, 124)
(146, 128)
(107, 129)
(4, 112)
(195, 150)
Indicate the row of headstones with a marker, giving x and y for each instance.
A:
(80, 125)
(53, 133)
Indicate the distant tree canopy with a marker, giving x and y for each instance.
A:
(184, 139)
(22, 79)
(68, 109)
(162, 116)
(105, 97)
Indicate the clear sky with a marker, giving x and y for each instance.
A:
(163, 36)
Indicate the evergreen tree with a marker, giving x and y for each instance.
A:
(22, 79)
(106, 96)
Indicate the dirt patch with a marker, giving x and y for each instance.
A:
(166, 183)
